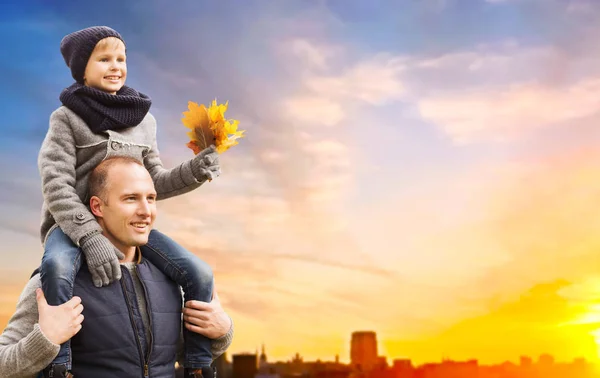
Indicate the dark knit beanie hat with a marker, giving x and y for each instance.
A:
(77, 47)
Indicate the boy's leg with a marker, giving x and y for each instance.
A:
(195, 277)
(60, 263)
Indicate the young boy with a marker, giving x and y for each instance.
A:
(100, 117)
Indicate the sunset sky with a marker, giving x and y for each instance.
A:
(429, 171)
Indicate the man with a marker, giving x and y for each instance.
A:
(140, 333)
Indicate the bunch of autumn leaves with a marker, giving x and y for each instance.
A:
(209, 126)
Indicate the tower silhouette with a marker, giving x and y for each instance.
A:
(363, 350)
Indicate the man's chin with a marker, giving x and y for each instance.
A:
(139, 240)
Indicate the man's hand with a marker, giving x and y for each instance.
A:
(59, 323)
(208, 319)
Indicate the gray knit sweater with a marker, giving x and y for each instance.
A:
(70, 151)
(25, 351)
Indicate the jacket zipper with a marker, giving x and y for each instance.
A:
(149, 320)
(137, 337)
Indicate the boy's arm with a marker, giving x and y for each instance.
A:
(183, 178)
(56, 162)
(24, 350)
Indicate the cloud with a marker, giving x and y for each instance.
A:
(508, 112)
(505, 90)
(492, 92)
(497, 231)
(331, 83)
(312, 110)
(536, 224)
(582, 7)
(375, 81)
(484, 65)
(312, 56)
(336, 264)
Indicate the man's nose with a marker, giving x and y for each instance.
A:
(144, 208)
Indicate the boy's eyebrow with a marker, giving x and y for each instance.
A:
(110, 54)
(107, 53)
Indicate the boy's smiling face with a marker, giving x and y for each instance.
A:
(106, 69)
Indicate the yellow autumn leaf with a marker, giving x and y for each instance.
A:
(209, 126)
(196, 119)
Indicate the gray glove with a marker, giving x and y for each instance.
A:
(205, 165)
(102, 259)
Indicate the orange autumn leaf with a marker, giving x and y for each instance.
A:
(196, 119)
(193, 145)
(209, 126)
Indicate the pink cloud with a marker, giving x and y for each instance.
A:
(510, 111)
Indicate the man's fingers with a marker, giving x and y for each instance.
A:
(78, 309)
(203, 315)
(195, 329)
(198, 305)
(196, 321)
(79, 319)
(73, 302)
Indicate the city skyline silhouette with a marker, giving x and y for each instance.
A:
(367, 363)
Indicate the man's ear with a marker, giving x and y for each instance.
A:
(96, 206)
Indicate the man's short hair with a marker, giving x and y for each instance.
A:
(98, 178)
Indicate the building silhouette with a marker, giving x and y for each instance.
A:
(222, 366)
(363, 350)
(265, 370)
(263, 366)
(244, 365)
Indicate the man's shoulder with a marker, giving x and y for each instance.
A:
(35, 281)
